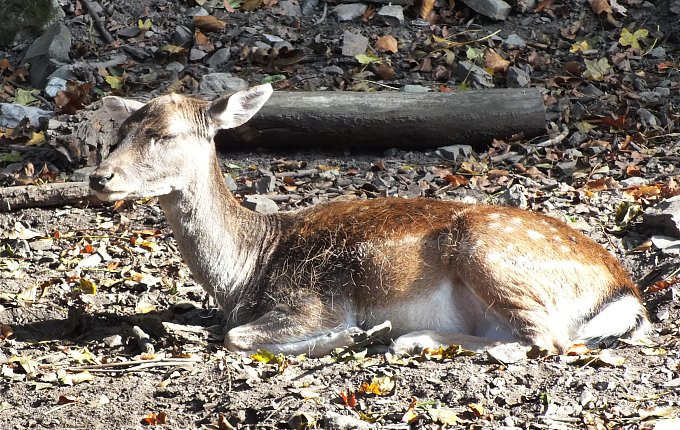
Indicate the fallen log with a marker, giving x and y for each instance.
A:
(52, 194)
(332, 120)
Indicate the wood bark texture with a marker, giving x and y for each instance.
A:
(61, 193)
(329, 120)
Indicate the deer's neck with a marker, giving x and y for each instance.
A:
(222, 243)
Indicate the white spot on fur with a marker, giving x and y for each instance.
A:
(508, 229)
(557, 239)
(517, 221)
(564, 248)
(533, 234)
(494, 225)
(494, 216)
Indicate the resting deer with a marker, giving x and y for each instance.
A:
(309, 281)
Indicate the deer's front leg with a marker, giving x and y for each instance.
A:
(294, 331)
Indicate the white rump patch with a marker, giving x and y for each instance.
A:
(615, 319)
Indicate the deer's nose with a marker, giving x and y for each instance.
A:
(99, 178)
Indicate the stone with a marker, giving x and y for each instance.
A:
(453, 152)
(47, 52)
(515, 196)
(220, 83)
(675, 7)
(197, 11)
(219, 58)
(182, 35)
(410, 88)
(196, 54)
(633, 181)
(336, 421)
(647, 118)
(662, 91)
(54, 85)
(231, 183)
(392, 15)
(349, 11)
(136, 52)
(27, 18)
(592, 91)
(128, 32)
(333, 70)
(516, 78)
(525, 5)
(665, 216)
(494, 9)
(174, 66)
(11, 114)
(477, 76)
(309, 6)
(353, 44)
(260, 204)
(658, 52)
(266, 184)
(507, 353)
(514, 41)
(289, 8)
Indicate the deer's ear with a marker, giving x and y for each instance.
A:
(234, 110)
(120, 108)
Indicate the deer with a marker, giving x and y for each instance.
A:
(435, 273)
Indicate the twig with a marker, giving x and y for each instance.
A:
(394, 2)
(103, 32)
(554, 140)
(135, 365)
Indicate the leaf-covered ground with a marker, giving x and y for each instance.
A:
(81, 288)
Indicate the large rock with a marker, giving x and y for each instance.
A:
(27, 17)
(220, 83)
(353, 44)
(11, 114)
(665, 216)
(349, 11)
(47, 53)
(494, 9)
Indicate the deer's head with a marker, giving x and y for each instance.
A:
(164, 144)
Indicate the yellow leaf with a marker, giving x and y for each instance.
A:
(266, 357)
(144, 308)
(144, 25)
(82, 356)
(115, 82)
(367, 59)
(76, 378)
(495, 62)
(173, 49)
(596, 70)
(36, 139)
(581, 46)
(445, 416)
(632, 39)
(87, 286)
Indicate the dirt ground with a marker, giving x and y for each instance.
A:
(80, 286)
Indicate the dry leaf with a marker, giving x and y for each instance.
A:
(209, 23)
(348, 398)
(5, 331)
(495, 62)
(385, 72)
(426, 7)
(380, 386)
(600, 6)
(387, 43)
(203, 42)
(65, 399)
